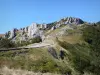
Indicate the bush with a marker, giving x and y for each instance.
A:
(6, 43)
(36, 39)
(31, 41)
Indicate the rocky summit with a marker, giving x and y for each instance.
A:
(69, 20)
(36, 29)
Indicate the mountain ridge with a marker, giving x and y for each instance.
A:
(65, 49)
(38, 29)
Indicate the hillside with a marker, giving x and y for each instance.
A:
(67, 47)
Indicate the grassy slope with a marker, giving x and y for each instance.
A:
(77, 51)
(37, 60)
(76, 54)
(79, 54)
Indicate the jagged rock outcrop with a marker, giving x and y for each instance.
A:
(53, 28)
(35, 29)
(28, 32)
(72, 20)
(69, 20)
(32, 30)
(13, 33)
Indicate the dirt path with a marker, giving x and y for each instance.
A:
(38, 45)
(35, 45)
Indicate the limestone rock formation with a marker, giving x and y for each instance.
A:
(13, 33)
(34, 30)
(28, 32)
(53, 28)
(69, 20)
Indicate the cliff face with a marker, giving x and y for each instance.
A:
(69, 20)
(26, 33)
(35, 29)
(65, 21)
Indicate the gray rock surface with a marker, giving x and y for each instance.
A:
(35, 29)
(13, 33)
(69, 20)
(52, 51)
(53, 28)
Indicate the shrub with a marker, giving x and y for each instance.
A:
(6, 43)
(36, 39)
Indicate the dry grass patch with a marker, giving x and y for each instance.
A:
(72, 39)
(6, 71)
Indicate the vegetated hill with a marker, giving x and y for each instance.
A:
(74, 50)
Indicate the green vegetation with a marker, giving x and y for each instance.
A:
(31, 41)
(36, 60)
(91, 35)
(85, 57)
(6, 43)
(36, 40)
(80, 53)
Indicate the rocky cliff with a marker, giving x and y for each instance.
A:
(35, 29)
(66, 21)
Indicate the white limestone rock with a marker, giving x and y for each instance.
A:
(13, 33)
(32, 30)
(43, 26)
(53, 28)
